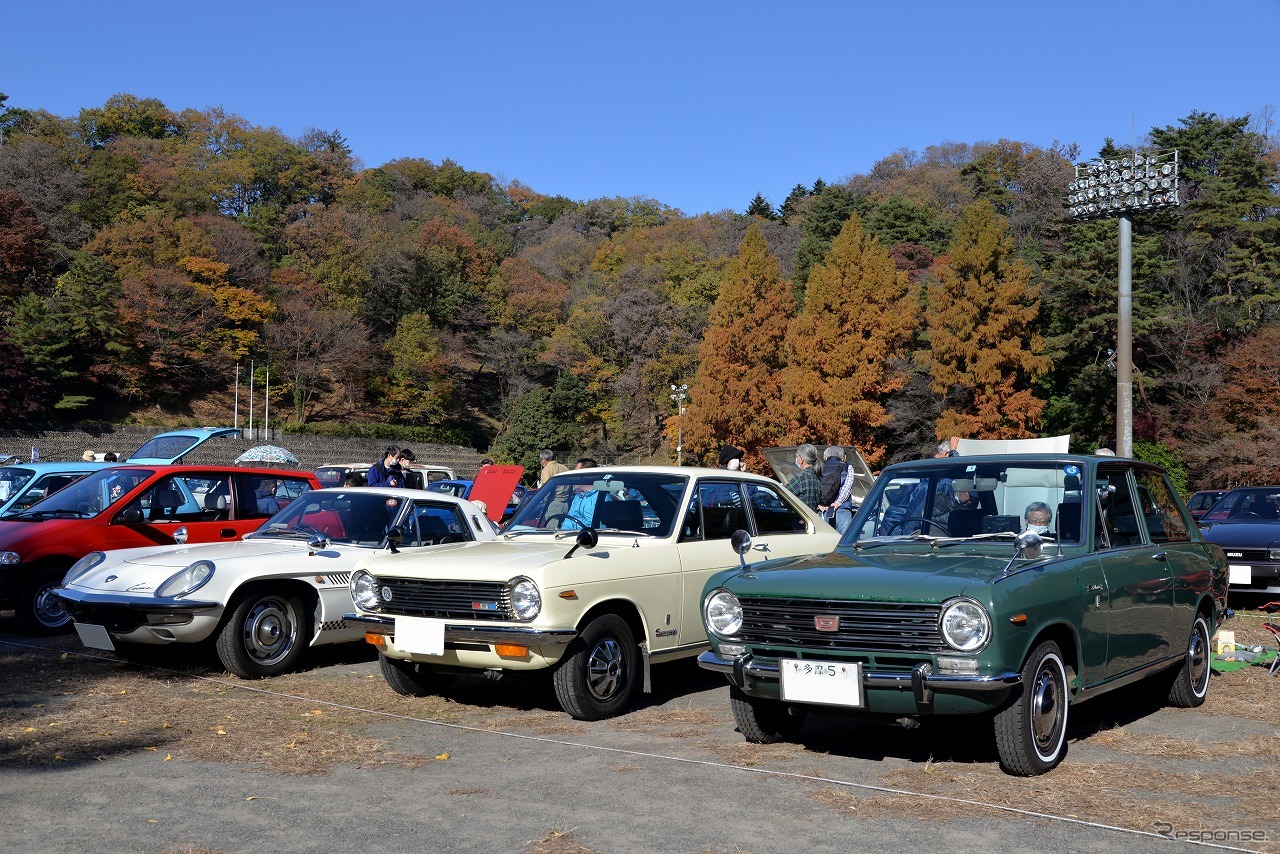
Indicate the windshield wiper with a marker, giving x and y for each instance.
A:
(993, 535)
(48, 514)
(896, 538)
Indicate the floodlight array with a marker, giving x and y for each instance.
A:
(1137, 182)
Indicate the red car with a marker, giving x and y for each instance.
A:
(1200, 502)
(126, 507)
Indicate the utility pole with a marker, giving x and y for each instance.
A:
(679, 397)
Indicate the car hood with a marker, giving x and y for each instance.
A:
(845, 574)
(1257, 535)
(13, 530)
(141, 570)
(501, 559)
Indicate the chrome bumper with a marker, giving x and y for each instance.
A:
(473, 634)
(136, 603)
(921, 681)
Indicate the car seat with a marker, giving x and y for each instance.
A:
(165, 502)
(1069, 522)
(964, 522)
(623, 515)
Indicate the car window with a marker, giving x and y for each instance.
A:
(169, 499)
(723, 510)
(268, 495)
(773, 515)
(631, 501)
(430, 524)
(1165, 522)
(1119, 508)
(12, 480)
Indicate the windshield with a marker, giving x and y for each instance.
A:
(967, 500)
(625, 501)
(92, 494)
(360, 518)
(12, 479)
(1247, 505)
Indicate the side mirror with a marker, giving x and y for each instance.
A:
(395, 537)
(317, 543)
(740, 541)
(131, 516)
(587, 538)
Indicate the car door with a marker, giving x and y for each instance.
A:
(170, 502)
(717, 507)
(1138, 579)
(1169, 530)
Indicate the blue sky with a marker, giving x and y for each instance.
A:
(698, 105)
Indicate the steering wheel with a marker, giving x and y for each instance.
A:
(898, 523)
(306, 529)
(558, 518)
(86, 508)
(1248, 514)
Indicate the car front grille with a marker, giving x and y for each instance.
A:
(454, 600)
(860, 626)
(1259, 555)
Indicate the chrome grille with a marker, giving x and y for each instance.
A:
(864, 626)
(456, 600)
(1259, 555)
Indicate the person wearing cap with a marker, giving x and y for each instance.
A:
(88, 456)
(731, 458)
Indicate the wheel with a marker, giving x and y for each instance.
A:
(412, 678)
(598, 676)
(39, 611)
(265, 635)
(1031, 730)
(1191, 684)
(892, 526)
(765, 721)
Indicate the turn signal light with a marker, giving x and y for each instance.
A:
(511, 650)
(1018, 619)
(376, 639)
(568, 594)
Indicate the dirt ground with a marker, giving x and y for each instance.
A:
(96, 753)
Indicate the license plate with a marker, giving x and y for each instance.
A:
(94, 637)
(828, 683)
(1240, 574)
(420, 635)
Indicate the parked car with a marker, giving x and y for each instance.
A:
(942, 599)
(24, 484)
(267, 598)
(1200, 502)
(1246, 523)
(595, 578)
(335, 474)
(130, 506)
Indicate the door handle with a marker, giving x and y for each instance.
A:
(1160, 556)
(761, 547)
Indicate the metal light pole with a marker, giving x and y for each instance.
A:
(235, 418)
(679, 398)
(1120, 187)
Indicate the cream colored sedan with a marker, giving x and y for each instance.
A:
(596, 577)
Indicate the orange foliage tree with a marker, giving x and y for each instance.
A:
(980, 305)
(859, 314)
(733, 398)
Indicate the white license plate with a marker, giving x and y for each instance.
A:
(420, 635)
(94, 637)
(1239, 574)
(829, 683)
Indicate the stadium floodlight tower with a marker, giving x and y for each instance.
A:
(1120, 187)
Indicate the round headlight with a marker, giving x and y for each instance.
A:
(965, 625)
(82, 566)
(365, 591)
(526, 600)
(186, 580)
(722, 613)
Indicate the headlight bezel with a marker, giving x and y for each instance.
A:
(725, 603)
(532, 595)
(366, 591)
(974, 616)
(83, 566)
(186, 581)
(10, 558)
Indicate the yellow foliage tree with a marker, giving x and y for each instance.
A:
(980, 305)
(845, 350)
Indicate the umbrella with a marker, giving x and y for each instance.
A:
(267, 454)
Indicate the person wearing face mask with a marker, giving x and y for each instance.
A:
(1038, 516)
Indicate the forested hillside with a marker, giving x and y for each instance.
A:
(145, 252)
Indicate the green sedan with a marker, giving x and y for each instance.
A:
(1014, 586)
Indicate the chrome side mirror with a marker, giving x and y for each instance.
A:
(587, 538)
(1029, 545)
(741, 543)
(317, 543)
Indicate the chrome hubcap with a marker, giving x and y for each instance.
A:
(49, 611)
(606, 669)
(270, 630)
(1198, 659)
(1046, 710)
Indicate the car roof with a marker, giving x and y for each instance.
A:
(1082, 460)
(60, 466)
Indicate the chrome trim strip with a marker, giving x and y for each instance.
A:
(475, 634)
(918, 678)
(134, 602)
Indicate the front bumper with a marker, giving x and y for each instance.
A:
(1253, 576)
(142, 619)
(461, 633)
(922, 682)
